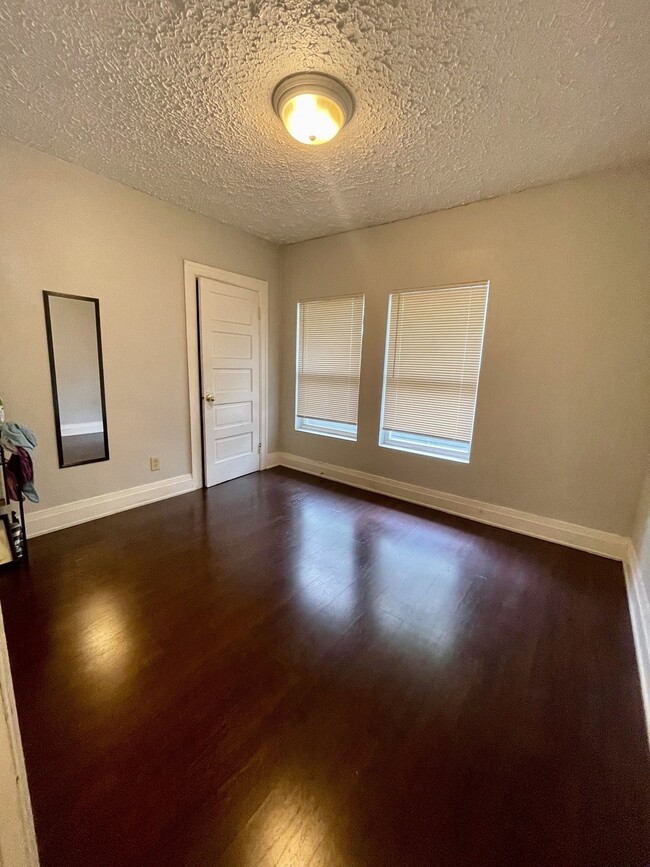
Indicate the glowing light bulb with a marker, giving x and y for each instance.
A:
(313, 107)
(312, 119)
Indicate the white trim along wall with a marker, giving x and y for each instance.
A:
(17, 838)
(584, 538)
(193, 270)
(80, 511)
(637, 596)
(563, 533)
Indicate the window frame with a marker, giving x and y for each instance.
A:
(457, 451)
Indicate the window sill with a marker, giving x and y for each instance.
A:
(327, 430)
(440, 452)
(411, 451)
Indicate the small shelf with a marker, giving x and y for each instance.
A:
(7, 509)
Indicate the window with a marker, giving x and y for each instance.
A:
(328, 363)
(433, 358)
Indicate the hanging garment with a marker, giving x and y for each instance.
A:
(19, 472)
(14, 435)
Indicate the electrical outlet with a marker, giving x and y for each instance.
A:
(154, 463)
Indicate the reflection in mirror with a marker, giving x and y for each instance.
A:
(75, 347)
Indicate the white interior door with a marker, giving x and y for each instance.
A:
(230, 376)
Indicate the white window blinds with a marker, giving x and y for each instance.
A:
(329, 359)
(433, 358)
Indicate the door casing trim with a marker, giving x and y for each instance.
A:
(194, 270)
(17, 838)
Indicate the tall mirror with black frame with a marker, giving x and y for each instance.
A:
(76, 367)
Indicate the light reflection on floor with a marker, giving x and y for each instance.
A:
(419, 605)
(105, 641)
(325, 593)
(289, 827)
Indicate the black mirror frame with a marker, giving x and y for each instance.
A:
(55, 393)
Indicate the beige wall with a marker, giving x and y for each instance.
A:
(68, 230)
(563, 417)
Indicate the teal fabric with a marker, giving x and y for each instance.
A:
(14, 435)
(29, 491)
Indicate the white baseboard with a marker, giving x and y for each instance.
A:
(272, 460)
(637, 596)
(573, 535)
(58, 517)
(86, 427)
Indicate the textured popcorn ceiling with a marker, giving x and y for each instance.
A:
(457, 100)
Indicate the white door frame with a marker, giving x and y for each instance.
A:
(193, 270)
(17, 839)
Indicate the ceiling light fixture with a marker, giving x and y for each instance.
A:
(313, 106)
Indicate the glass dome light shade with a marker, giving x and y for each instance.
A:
(313, 107)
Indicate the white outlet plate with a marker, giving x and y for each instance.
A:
(154, 463)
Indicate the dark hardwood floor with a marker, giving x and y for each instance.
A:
(285, 671)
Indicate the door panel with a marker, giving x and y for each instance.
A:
(231, 379)
(230, 371)
(228, 414)
(233, 447)
(226, 345)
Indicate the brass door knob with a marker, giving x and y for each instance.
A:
(210, 398)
